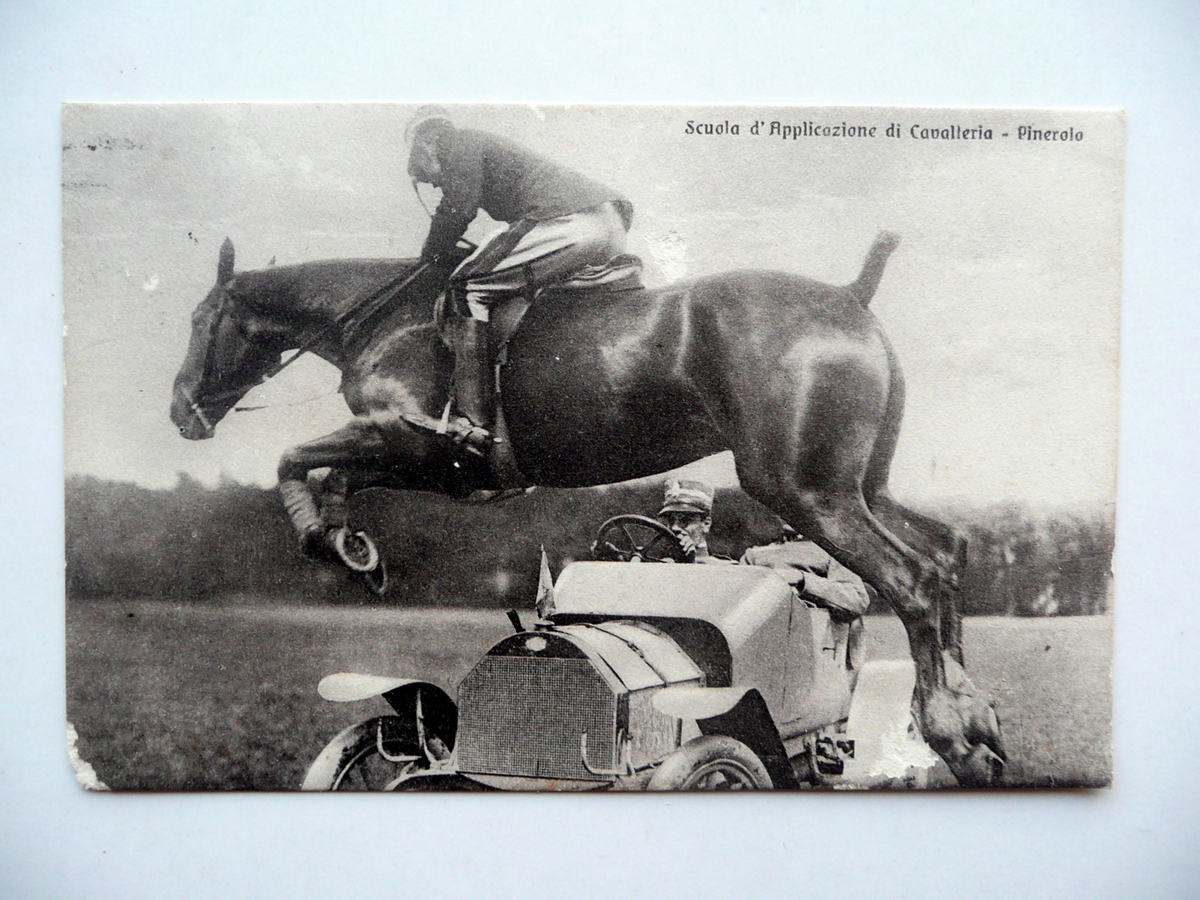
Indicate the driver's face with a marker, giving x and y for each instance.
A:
(689, 527)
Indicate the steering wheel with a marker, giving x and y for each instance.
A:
(638, 539)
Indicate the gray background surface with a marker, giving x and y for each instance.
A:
(1140, 839)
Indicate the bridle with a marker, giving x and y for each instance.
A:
(214, 328)
(355, 317)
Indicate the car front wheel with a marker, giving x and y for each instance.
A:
(711, 763)
(370, 756)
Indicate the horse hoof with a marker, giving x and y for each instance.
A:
(984, 728)
(376, 580)
(354, 550)
(312, 543)
(980, 768)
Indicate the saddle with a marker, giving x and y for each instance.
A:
(619, 274)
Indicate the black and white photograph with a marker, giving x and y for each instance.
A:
(449, 447)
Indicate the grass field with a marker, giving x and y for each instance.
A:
(223, 697)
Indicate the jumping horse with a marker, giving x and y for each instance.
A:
(793, 376)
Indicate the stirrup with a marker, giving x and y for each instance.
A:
(473, 439)
(470, 436)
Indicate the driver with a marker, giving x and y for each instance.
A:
(817, 577)
(687, 511)
(559, 222)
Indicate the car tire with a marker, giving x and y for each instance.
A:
(352, 761)
(714, 762)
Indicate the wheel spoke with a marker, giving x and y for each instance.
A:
(720, 776)
(658, 537)
(633, 544)
(368, 772)
(711, 763)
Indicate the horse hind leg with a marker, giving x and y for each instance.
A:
(956, 722)
(839, 521)
(947, 547)
(944, 544)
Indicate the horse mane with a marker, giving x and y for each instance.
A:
(276, 286)
(252, 279)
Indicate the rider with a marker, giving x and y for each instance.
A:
(559, 222)
(816, 576)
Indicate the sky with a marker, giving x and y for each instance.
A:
(1002, 300)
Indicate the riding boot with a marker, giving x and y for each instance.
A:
(473, 383)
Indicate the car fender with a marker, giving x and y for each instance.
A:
(410, 698)
(347, 687)
(738, 712)
(690, 702)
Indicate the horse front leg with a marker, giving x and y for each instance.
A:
(357, 445)
(359, 455)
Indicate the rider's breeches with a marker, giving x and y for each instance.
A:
(531, 253)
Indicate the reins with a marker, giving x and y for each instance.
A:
(352, 319)
(363, 310)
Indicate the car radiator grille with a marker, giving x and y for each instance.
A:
(524, 716)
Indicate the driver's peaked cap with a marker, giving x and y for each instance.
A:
(688, 495)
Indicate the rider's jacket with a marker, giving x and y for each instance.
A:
(826, 581)
(509, 182)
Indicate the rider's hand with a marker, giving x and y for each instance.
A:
(447, 259)
(442, 262)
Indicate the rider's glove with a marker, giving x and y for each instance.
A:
(439, 261)
(446, 260)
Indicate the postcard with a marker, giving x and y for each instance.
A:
(516, 447)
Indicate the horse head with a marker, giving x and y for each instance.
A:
(230, 352)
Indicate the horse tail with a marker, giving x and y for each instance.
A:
(863, 288)
(879, 465)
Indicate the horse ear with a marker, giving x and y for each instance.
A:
(225, 262)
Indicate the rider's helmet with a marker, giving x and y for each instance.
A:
(426, 116)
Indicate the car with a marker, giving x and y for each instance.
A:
(638, 677)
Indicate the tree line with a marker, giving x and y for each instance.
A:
(192, 542)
